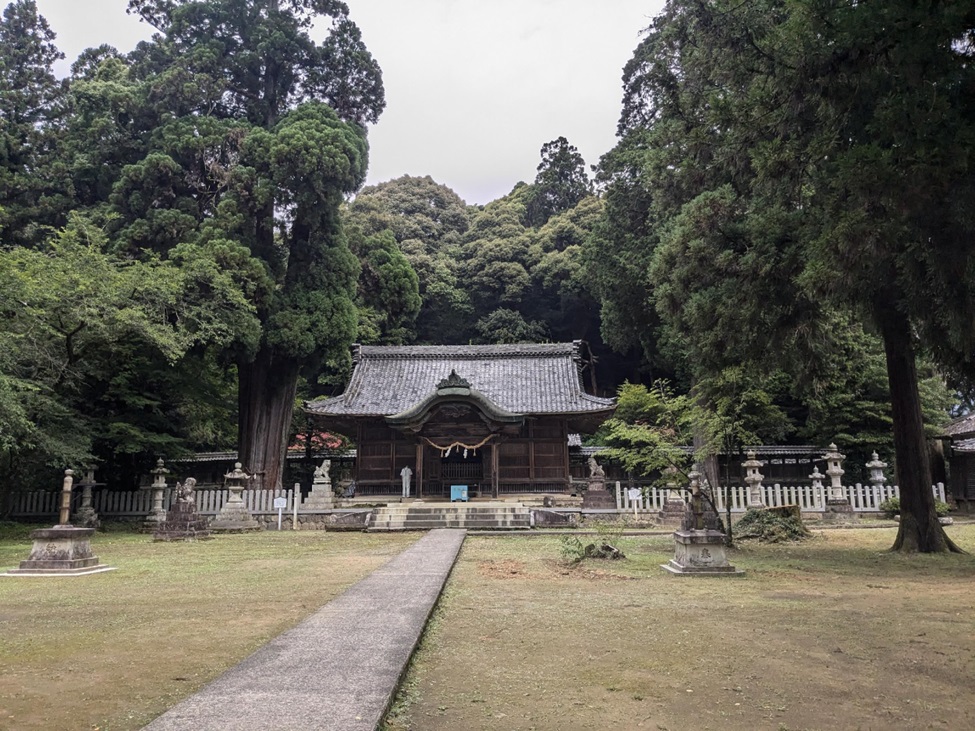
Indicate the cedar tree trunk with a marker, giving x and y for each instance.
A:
(266, 398)
(919, 529)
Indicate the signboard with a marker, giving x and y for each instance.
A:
(280, 502)
(633, 493)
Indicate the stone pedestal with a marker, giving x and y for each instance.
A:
(322, 495)
(63, 550)
(183, 523)
(838, 511)
(700, 553)
(597, 497)
(234, 517)
(673, 510)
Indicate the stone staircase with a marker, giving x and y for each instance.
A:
(472, 516)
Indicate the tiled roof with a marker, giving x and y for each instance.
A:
(522, 379)
(291, 454)
(966, 446)
(961, 425)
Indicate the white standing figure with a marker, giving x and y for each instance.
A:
(406, 473)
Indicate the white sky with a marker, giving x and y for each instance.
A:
(474, 88)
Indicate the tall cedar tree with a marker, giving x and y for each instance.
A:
(802, 156)
(560, 183)
(31, 103)
(284, 118)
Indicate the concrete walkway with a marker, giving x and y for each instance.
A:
(337, 670)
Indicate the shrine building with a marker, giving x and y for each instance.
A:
(496, 418)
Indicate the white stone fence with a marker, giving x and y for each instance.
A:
(138, 503)
(809, 498)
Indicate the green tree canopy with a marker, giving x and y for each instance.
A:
(802, 159)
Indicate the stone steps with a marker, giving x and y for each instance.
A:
(428, 516)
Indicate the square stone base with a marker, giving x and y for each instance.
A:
(838, 511)
(700, 553)
(63, 550)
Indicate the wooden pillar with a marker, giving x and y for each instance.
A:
(419, 471)
(566, 462)
(494, 470)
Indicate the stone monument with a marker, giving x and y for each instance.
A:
(85, 516)
(234, 517)
(597, 497)
(699, 547)
(182, 522)
(64, 550)
(322, 495)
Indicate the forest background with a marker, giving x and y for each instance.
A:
(187, 251)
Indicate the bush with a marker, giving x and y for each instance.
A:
(575, 551)
(891, 508)
(770, 526)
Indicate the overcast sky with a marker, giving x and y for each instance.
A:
(474, 88)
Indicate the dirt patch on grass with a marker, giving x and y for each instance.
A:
(504, 569)
(834, 633)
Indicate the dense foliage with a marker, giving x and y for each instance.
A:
(784, 167)
(778, 248)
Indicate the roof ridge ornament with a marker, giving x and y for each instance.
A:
(453, 381)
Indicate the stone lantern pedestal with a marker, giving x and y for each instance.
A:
(234, 517)
(64, 550)
(699, 549)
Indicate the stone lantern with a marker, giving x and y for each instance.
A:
(673, 510)
(876, 468)
(817, 483)
(234, 517)
(699, 548)
(86, 516)
(837, 505)
(753, 478)
(157, 514)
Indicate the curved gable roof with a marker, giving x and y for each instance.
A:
(522, 379)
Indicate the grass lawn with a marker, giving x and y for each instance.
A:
(833, 633)
(112, 651)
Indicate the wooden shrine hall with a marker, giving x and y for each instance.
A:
(496, 418)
